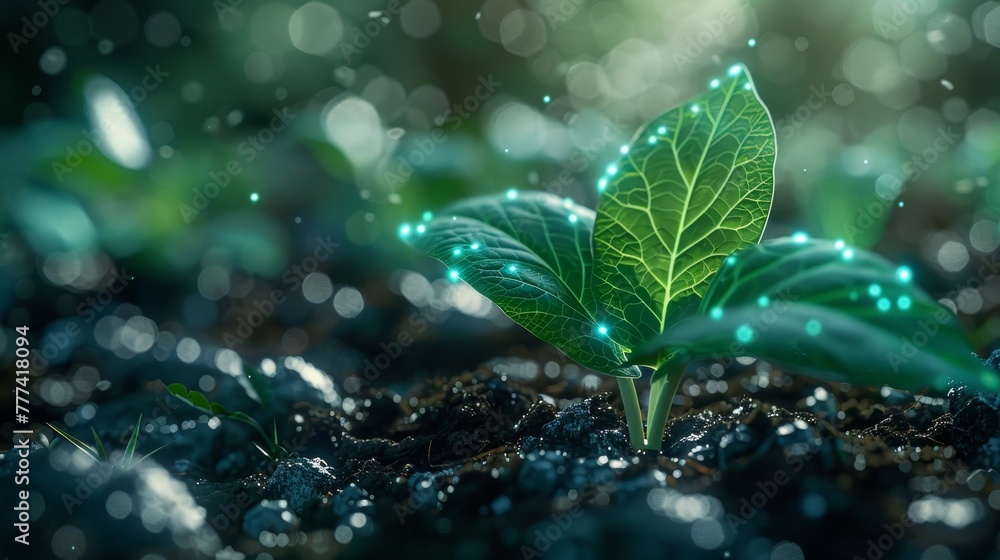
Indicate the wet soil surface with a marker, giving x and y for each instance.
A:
(517, 459)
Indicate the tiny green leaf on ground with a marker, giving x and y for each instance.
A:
(530, 253)
(695, 186)
(840, 313)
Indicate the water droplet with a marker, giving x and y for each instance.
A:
(661, 131)
(813, 327)
(695, 108)
(947, 85)
(734, 70)
(652, 140)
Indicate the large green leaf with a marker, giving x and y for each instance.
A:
(824, 308)
(695, 186)
(530, 253)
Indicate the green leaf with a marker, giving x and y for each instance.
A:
(256, 385)
(90, 451)
(98, 444)
(133, 442)
(530, 253)
(695, 185)
(839, 313)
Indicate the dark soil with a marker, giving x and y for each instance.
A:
(756, 465)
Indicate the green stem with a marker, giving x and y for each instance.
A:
(633, 414)
(664, 386)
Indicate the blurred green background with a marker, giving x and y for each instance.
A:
(199, 149)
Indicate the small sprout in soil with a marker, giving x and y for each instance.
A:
(670, 268)
(98, 453)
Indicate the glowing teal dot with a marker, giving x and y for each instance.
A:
(813, 327)
(884, 304)
(567, 203)
(474, 246)
(744, 333)
(661, 131)
(453, 274)
(612, 169)
(421, 228)
(546, 99)
(874, 290)
(838, 244)
(512, 268)
(427, 216)
(456, 252)
(716, 313)
(695, 108)
(573, 218)
(254, 197)
(854, 296)
(652, 140)
(848, 254)
(602, 184)
(752, 43)
(763, 301)
(734, 70)
(714, 83)
(746, 86)
(730, 260)
(900, 204)
(512, 194)
(800, 237)
(404, 230)
(903, 302)
(602, 329)
(904, 274)
(623, 150)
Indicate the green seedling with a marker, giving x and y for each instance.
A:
(670, 269)
(257, 388)
(98, 453)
